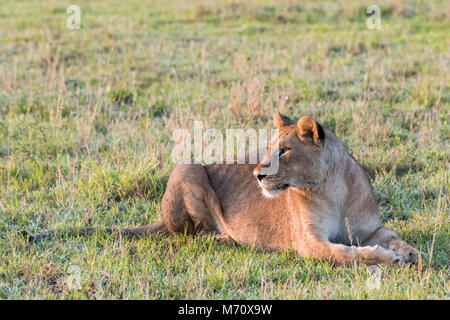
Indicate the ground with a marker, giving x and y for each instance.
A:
(86, 121)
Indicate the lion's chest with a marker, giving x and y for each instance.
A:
(330, 226)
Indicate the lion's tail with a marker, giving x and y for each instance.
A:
(157, 227)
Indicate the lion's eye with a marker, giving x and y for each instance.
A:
(283, 151)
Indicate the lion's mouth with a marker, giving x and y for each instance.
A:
(270, 186)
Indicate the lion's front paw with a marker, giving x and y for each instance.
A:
(379, 255)
(408, 253)
(393, 258)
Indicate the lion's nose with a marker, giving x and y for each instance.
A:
(261, 176)
(258, 175)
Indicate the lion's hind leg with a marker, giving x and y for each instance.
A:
(190, 205)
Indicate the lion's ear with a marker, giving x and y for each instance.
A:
(281, 120)
(310, 131)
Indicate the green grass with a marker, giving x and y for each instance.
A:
(86, 120)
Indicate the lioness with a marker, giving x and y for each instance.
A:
(319, 203)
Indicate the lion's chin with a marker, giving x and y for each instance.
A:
(271, 193)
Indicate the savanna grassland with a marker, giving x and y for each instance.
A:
(86, 121)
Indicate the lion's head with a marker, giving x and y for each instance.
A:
(299, 148)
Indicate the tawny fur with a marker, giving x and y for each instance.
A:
(320, 202)
(328, 210)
